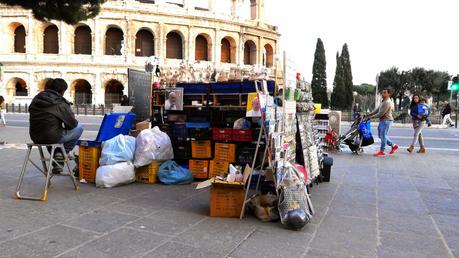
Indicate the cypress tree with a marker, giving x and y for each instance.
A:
(319, 75)
(347, 77)
(338, 96)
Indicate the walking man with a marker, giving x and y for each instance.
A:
(384, 113)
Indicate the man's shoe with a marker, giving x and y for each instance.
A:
(410, 149)
(380, 154)
(422, 150)
(394, 149)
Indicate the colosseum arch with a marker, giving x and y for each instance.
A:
(43, 84)
(113, 92)
(144, 43)
(82, 92)
(18, 40)
(114, 40)
(16, 87)
(203, 48)
(268, 56)
(83, 40)
(174, 45)
(51, 40)
(250, 53)
(228, 50)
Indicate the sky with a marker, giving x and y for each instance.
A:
(380, 34)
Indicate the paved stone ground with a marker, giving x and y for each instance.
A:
(406, 205)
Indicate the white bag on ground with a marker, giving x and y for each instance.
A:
(152, 145)
(117, 174)
(118, 149)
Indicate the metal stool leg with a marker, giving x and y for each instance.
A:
(72, 176)
(21, 176)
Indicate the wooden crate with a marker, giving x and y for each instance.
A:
(225, 152)
(218, 168)
(201, 149)
(226, 199)
(199, 168)
(88, 162)
(148, 174)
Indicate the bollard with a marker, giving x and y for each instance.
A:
(85, 110)
(103, 109)
(93, 110)
(26, 108)
(19, 108)
(7, 106)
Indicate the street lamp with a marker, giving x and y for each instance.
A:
(454, 87)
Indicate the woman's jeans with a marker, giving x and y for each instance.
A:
(383, 130)
(418, 126)
(70, 137)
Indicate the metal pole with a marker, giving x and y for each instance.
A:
(457, 107)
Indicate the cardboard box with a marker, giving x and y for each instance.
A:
(142, 125)
(226, 199)
(218, 168)
(199, 168)
(148, 174)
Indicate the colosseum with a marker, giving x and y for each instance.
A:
(94, 55)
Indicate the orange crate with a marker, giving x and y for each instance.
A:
(88, 162)
(148, 174)
(199, 168)
(226, 199)
(225, 152)
(218, 168)
(201, 150)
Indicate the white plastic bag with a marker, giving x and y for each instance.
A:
(118, 149)
(113, 175)
(152, 145)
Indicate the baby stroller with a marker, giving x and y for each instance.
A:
(358, 136)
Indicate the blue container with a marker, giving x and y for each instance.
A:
(112, 125)
(197, 125)
(180, 131)
(232, 88)
(194, 88)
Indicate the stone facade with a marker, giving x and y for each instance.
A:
(26, 68)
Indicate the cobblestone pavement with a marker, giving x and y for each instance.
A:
(405, 205)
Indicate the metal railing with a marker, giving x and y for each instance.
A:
(94, 110)
(399, 117)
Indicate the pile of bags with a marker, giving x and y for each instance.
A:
(122, 154)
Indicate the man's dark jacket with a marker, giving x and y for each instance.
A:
(50, 115)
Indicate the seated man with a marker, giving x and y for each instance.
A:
(52, 120)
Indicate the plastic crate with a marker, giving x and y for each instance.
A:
(222, 134)
(182, 149)
(176, 117)
(201, 149)
(199, 168)
(179, 131)
(148, 174)
(234, 88)
(197, 125)
(199, 133)
(242, 135)
(88, 160)
(218, 168)
(226, 199)
(225, 152)
(245, 155)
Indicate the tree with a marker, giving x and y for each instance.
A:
(69, 11)
(338, 100)
(347, 77)
(319, 75)
(365, 95)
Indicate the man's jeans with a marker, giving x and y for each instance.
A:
(383, 130)
(70, 137)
